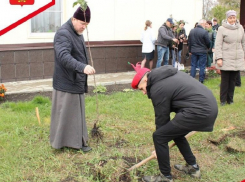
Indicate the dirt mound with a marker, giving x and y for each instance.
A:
(236, 140)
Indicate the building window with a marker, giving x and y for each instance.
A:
(48, 21)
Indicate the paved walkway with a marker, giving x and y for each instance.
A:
(45, 85)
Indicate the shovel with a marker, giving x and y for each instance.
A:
(153, 156)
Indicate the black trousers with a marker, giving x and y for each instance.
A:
(238, 79)
(162, 136)
(227, 87)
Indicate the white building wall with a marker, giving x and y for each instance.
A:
(116, 19)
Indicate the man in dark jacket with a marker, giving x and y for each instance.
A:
(196, 110)
(164, 38)
(68, 125)
(199, 44)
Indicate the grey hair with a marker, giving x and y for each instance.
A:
(201, 21)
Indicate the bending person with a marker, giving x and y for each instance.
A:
(196, 110)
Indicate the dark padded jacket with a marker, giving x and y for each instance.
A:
(165, 36)
(215, 27)
(212, 37)
(175, 91)
(70, 60)
(198, 40)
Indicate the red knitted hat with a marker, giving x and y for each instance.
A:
(79, 14)
(139, 75)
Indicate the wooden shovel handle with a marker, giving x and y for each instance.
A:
(153, 156)
(142, 162)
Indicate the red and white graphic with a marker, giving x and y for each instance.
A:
(16, 15)
(21, 2)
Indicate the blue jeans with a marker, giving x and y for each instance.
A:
(162, 51)
(202, 59)
(179, 56)
(173, 57)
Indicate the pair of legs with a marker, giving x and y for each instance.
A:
(200, 58)
(144, 61)
(238, 79)
(209, 59)
(148, 57)
(173, 52)
(179, 55)
(227, 87)
(174, 56)
(165, 134)
(162, 53)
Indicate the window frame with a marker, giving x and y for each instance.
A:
(46, 35)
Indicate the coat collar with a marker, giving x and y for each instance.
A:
(72, 27)
(231, 27)
(199, 26)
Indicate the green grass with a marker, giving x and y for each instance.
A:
(127, 121)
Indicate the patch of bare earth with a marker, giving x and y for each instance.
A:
(236, 141)
(114, 168)
(119, 143)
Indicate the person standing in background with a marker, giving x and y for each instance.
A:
(197, 66)
(164, 38)
(68, 123)
(238, 78)
(187, 56)
(148, 39)
(181, 35)
(212, 37)
(229, 53)
(173, 45)
(215, 26)
(199, 43)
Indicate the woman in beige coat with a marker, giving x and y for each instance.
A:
(229, 52)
